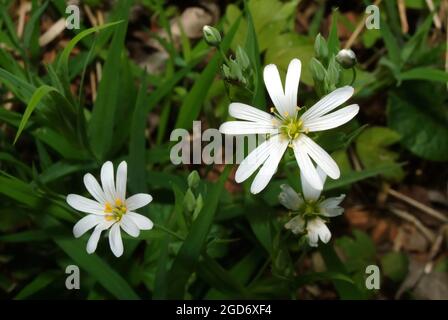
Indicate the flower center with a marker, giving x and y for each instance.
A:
(311, 208)
(115, 211)
(291, 127)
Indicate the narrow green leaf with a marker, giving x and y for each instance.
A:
(34, 101)
(424, 74)
(190, 251)
(192, 104)
(253, 52)
(39, 283)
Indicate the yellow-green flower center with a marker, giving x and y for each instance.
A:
(115, 211)
(291, 127)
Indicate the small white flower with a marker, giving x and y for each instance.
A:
(288, 128)
(110, 210)
(311, 210)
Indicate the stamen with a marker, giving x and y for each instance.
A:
(109, 217)
(107, 208)
(118, 202)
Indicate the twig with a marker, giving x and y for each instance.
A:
(410, 218)
(56, 29)
(403, 17)
(435, 18)
(91, 16)
(24, 8)
(437, 244)
(424, 208)
(358, 29)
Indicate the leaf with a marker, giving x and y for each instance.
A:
(101, 124)
(419, 114)
(187, 258)
(63, 58)
(391, 44)
(355, 176)
(285, 47)
(23, 90)
(254, 56)
(395, 265)
(346, 290)
(371, 147)
(40, 282)
(429, 74)
(192, 104)
(97, 268)
(333, 39)
(313, 277)
(40, 93)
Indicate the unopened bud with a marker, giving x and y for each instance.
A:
(346, 58)
(211, 36)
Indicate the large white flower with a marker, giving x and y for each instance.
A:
(111, 210)
(288, 128)
(311, 210)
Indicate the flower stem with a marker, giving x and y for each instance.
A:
(170, 232)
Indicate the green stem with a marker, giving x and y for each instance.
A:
(353, 76)
(170, 232)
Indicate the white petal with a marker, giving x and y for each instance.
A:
(309, 192)
(86, 223)
(128, 225)
(94, 188)
(292, 85)
(115, 241)
(324, 232)
(245, 112)
(246, 127)
(332, 202)
(274, 86)
(107, 180)
(93, 240)
(321, 157)
(332, 212)
(141, 221)
(317, 228)
(270, 165)
(313, 236)
(84, 204)
(307, 168)
(330, 207)
(253, 161)
(296, 225)
(332, 120)
(289, 198)
(121, 181)
(328, 103)
(138, 200)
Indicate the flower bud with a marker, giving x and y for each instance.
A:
(211, 36)
(242, 58)
(320, 48)
(346, 58)
(193, 179)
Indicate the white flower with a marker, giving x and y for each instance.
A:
(110, 210)
(311, 210)
(287, 128)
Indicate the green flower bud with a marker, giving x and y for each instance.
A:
(242, 58)
(346, 58)
(320, 48)
(317, 70)
(189, 201)
(333, 72)
(211, 36)
(193, 179)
